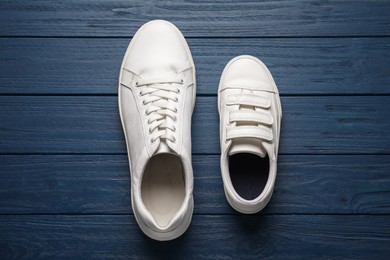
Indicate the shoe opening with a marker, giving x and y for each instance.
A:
(249, 174)
(163, 187)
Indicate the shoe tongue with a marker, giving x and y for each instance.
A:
(163, 148)
(248, 145)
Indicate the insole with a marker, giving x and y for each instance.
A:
(163, 187)
(249, 174)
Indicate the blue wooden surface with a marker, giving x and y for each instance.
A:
(90, 124)
(197, 18)
(64, 183)
(99, 184)
(210, 236)
(299, 65)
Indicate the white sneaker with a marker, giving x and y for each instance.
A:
(156, 98)
(250, 117)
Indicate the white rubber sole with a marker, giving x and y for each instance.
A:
(161, 236)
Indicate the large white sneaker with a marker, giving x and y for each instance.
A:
(250, 117)
(156, 99)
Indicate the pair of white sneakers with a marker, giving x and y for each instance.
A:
(157, 90)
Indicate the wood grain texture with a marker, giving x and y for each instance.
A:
(99, 184)
(200, 18)
(64, 177)
(299, 66)
(85, 124)
(232, 237)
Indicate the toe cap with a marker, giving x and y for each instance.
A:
(157, 47)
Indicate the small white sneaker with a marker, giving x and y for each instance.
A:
(156, 98)
(250, 117)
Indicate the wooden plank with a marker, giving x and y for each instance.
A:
(299, 66)
(203, 18)
(237, 237)
(85, 124)
(99, 184)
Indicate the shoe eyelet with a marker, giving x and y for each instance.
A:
(136, 83)
(182, 81)
(177, 100)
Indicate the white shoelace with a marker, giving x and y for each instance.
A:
(252, 123)
(160, 96)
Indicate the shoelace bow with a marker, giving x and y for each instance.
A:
(161, 96)
(251, 123)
